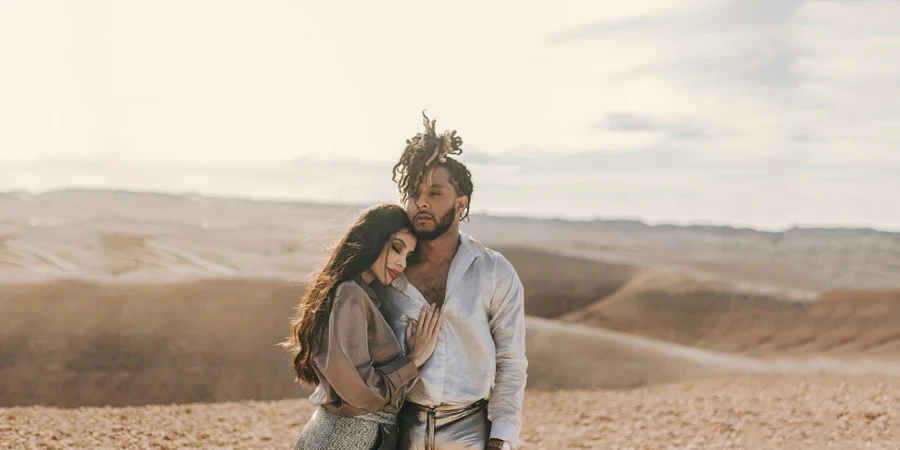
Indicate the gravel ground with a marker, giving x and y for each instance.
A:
(765, 413)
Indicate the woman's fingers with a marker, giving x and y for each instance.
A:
(435, 321)
(424, 313)
(409, 327)
(440, 321)
(432, 312)
(426, 324)
(429, 321)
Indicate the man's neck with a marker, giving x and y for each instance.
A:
(441, 249)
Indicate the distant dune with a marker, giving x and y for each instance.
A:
(600, 358)
(557, 284)
(723, 317)
(74, 343)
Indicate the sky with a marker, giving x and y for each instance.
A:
(763, 113)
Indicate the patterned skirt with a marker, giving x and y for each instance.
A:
(329, 431)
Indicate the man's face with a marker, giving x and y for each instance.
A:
(434, 209)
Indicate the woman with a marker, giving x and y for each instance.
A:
(342, 343)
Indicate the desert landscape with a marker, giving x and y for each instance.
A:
(140, 320)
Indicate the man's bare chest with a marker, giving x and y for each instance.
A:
(431, 282)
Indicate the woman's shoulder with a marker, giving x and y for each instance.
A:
(351, 303)
(350, 292)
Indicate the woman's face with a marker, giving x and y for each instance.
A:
(392, 261)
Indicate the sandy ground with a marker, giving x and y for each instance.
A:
(730, 413)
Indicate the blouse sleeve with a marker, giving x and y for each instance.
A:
(344, 359)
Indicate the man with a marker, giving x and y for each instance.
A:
(469, 394)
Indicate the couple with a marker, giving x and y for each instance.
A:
(430, 358)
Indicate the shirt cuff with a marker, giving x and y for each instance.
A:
(506, 431)
(401, 370)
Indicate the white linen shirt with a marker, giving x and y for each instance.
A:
(480, 352)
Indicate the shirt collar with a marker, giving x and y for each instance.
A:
(465, 256)
(471, 245)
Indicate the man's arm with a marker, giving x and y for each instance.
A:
(507, 323)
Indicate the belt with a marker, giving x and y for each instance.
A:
(431, 411)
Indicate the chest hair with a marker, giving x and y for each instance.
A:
(431, 282)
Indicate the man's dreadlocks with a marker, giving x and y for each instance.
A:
(427, 151)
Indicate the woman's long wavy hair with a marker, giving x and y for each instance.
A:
(356, 252)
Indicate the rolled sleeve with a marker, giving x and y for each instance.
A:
(401, 371)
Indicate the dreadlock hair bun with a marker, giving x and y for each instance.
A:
(424, 153)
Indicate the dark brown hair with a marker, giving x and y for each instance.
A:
(425, 152)
(356, 252)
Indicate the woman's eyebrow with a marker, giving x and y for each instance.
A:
(400, 241)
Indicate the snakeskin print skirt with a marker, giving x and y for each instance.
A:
(329, 431)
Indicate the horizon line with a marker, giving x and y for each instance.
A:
(483, 212)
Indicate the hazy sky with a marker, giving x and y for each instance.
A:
(750, 112)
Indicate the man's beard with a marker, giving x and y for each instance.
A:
(440, 227)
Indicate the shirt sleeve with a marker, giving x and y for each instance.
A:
(508, 329)
(344, 358)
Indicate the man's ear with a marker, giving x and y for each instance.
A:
(461, 203)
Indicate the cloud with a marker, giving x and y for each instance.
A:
(606, 28)
(669, 159)
(728, 16)
(679, 130)
(739, 45)
(777, 69)
(625, 121)
(757, 12)
(749, 79)
(300, 176)
(804, 135)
